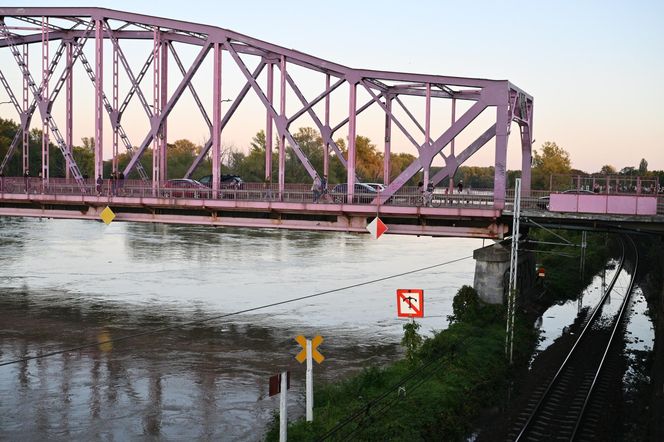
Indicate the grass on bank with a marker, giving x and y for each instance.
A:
(433, 395)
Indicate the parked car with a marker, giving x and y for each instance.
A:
(363, 193)
(225, 181)
(378, 187)
(543, 202)
(185, 188)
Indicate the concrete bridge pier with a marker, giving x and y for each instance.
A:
(492, 269)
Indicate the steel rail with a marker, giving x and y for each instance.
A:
(616, 327)
(527, 426)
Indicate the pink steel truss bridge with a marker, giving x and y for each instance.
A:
(64, 37)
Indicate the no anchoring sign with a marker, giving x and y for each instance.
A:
(410, 303)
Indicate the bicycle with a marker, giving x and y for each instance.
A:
(426, 199)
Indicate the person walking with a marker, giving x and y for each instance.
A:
(460, 186)
(100, 184)
(315, 188)
(26, 180)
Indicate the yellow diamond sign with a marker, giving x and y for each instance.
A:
(107, 215)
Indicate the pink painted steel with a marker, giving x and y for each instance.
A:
(382, 86)
(163, 85)
(500, 172)
(327, 137)
(282, 115)
(156, 107)
(25, 117)
(352, 132)
(69, 108)
(268, 124)
(216, 119)
(99, 100)
(388, 140)
(114, 125)
(44, 102)
(452, 146)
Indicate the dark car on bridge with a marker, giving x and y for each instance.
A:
(543, 202)
(185, 188)
(363, 194)
(225, 181)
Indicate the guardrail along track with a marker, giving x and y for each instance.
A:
(558, 411)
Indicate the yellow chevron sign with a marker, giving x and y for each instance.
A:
(315, 354)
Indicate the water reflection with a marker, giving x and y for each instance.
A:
(71, 281)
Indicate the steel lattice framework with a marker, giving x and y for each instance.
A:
(74, 28)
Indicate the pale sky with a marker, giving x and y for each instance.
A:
(594, 68)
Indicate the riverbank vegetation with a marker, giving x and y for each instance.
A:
(431, 395)
(443, 384)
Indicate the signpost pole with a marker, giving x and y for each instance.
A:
(283, 418)
(310, 384)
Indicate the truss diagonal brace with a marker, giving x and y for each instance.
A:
(327, 135)
(235, 104)
(394, 119)
(158, 120)
(37, 92)
(428, 152)
(279, 121)
(455, 162)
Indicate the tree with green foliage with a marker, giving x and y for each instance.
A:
(552, 160)
(607, 169)
(643, 167)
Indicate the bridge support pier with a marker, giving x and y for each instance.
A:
(492, 266)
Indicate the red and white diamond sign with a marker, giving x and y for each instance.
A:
(376, 228)
(410, 303)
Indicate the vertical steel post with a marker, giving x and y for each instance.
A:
(309, 384)
(114, 165)
(283, 408)
(268, 123)
(45, 102)
(451, 182)
(352, 129)
(427, 131)
(282, 141)
(156, 101)
(527, 152)
(25, 119)
(99, 98)
(216, 119)
(69, 108)
(388, 139)
(514, 265)
(326, 147)
(499, 181)
(163, 134)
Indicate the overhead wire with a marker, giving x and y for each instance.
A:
(43, 355)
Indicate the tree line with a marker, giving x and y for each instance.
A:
(549, 160)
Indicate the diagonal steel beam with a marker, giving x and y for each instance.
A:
(361, 109)
(192, 89)
(280, 122)
(428, 152)
(44, 106)
(111, 114)
(135, 85)
(396, 121)
(127, 68)
(235, 104)
(326, 135)
(453, 163)
(157, 120)
(308, 105)
(9, 91)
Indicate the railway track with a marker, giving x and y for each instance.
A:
(566, 406)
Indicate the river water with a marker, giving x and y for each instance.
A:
(64, 284)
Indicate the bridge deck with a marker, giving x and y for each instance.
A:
(471, 213)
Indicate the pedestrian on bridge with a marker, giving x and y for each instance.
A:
(26, 179)
(316, 188)
(100, 184)
(460, 186)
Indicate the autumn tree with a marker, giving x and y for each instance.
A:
(552, 160)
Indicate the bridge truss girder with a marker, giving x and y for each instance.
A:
(75, 27)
